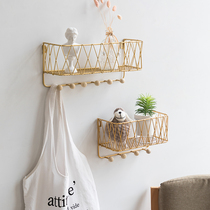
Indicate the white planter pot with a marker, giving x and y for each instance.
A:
(143, 128)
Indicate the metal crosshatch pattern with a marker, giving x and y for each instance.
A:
(126, 57)
(140, 135)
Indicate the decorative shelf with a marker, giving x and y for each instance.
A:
(102, 58)
(133, 136)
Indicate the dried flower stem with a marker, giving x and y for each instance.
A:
(107, 22)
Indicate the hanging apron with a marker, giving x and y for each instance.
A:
(62, 178)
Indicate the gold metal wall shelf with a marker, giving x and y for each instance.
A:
(133, 136)
(102, 58)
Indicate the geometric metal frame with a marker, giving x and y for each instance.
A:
(132, 136)
(122, 57)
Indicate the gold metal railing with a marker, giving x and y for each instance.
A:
(133, 136)
(122, 56)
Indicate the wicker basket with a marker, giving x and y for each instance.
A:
(127, 56)
(131, 136)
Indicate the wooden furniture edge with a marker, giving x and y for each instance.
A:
(154, 198)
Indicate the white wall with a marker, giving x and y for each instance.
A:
(175, 71)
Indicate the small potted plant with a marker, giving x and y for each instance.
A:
(145, 109)
(146, 105)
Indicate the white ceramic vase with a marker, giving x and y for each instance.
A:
(144, 127)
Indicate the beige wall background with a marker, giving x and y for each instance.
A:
(175, 71)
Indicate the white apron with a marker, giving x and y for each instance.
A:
(62, 178)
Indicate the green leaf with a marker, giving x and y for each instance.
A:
(146, 104)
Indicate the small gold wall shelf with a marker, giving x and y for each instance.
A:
(133, 136)
(102, 58)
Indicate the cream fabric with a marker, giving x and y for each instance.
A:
(62, 178)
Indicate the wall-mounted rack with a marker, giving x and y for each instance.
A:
(132, 136)
(101, 58)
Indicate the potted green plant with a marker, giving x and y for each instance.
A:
(145, 110)
(146, 105)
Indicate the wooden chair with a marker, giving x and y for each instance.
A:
(185, 193)
(154, 198)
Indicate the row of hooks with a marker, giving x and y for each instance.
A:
(84, 84)
(123, 155)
